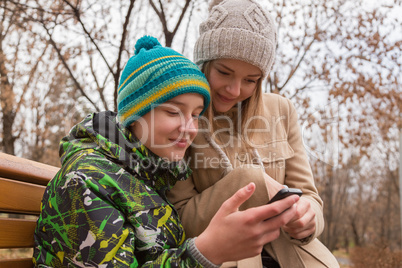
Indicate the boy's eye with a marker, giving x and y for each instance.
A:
(173, 112)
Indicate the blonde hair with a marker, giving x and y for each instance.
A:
(251, 108)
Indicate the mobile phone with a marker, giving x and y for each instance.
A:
(285, 192)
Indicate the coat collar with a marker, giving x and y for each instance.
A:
(103, 133)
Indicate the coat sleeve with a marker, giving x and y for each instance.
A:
(298, 172)
(197, 209)
(81, 224)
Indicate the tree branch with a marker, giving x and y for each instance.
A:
(98, 87)
(78, 17)
(294, 69)
(31, 75)
(40, 9)
(188, 26)
(116, 74)
(161, 15)
(181, 16)
(53, 43)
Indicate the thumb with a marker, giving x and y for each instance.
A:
(235, 201)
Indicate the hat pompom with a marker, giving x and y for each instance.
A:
(147, 42)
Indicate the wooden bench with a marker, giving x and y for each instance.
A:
(22, 184)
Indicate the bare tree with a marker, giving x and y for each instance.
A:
(349, 54)
(19, 74)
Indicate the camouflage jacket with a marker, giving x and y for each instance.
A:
(106, 207)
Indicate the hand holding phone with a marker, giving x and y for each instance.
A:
(285, 192)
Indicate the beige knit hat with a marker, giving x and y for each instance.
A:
(237, 29)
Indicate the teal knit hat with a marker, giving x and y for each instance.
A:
(154, 75)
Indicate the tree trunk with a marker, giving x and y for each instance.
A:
(7, 99)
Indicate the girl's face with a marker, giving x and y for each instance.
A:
(169, 129)
(231, 81)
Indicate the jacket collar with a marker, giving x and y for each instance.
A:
(121, 146)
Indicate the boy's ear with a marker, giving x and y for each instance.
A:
(131, 127)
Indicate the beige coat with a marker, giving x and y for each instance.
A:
(281, 151)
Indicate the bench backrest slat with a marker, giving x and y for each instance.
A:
(21, 169)
(20, 197)
(17, 233)
(22, 184)
(20, 263)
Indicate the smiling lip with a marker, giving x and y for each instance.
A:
(224, 99)
(182, 143)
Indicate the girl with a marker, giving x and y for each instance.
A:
(249, 137)
(107, 205)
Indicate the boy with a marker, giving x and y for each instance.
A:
(107, 205)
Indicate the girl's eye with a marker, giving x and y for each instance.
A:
(222, 72)
(196, 116)
(251, 81)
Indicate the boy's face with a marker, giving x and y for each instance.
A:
(169, 129)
